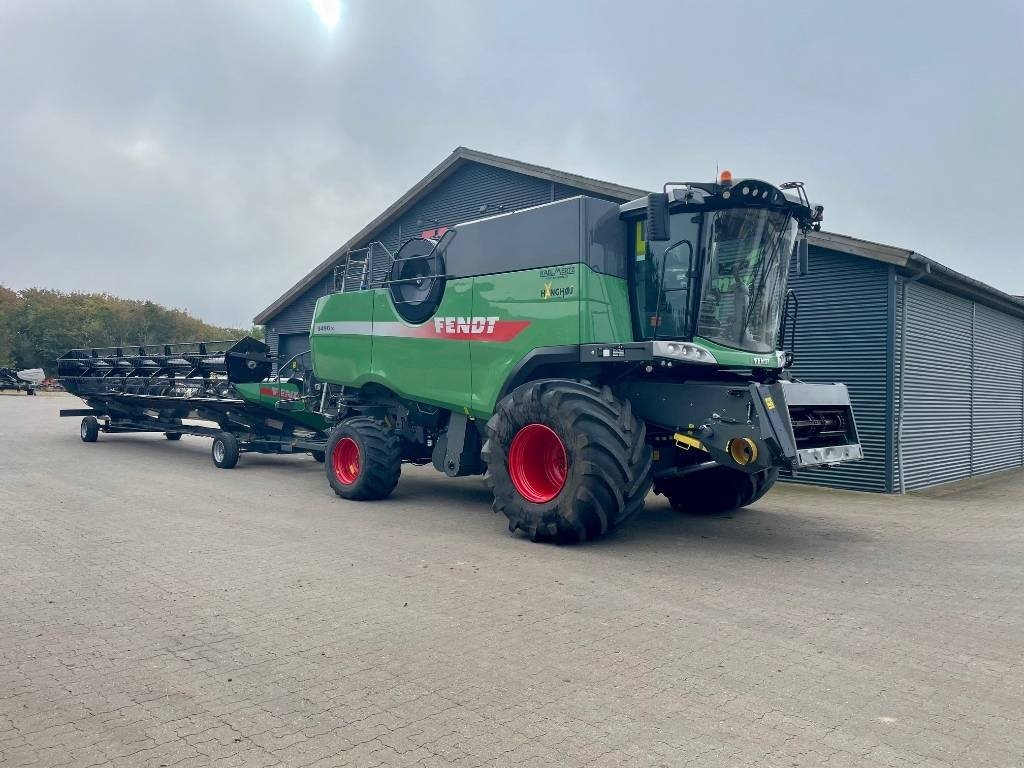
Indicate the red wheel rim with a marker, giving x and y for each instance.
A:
(345, 460)
(537, 463)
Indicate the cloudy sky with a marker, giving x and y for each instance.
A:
(208, 154)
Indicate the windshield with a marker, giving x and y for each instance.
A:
(745, 277)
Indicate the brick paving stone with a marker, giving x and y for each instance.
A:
(156, 611)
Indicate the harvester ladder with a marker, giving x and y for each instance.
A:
(357, 272)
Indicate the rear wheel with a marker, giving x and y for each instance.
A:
(566, 461)
(716, 490)
(225, 450)
(90, 429)
(364, 459)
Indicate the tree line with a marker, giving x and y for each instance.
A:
(38, 325)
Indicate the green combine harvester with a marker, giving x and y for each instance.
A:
(576, 353)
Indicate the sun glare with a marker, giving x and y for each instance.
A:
(329, 12)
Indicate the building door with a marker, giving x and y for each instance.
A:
(293, 353)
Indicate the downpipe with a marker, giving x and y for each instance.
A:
(926, 270)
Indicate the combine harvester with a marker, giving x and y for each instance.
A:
(161, 388)
(575, 354)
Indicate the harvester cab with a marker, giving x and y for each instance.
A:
(709, 267)
(709, 263)
(578, 352)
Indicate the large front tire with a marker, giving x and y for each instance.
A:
(364, 459)
(716, 490)
(566, 461)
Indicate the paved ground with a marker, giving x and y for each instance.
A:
(157, 611)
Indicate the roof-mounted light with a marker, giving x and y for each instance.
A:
(725, 178)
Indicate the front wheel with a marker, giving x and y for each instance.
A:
(364, 459)
(225, 450)
(566, 461)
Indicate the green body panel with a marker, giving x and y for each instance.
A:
(429, 370)
(548, 299)
(268, 393)
(344, 358)
(358, 338)
(728, 357)
(605, 312)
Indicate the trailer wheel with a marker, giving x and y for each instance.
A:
(90, 429)
(319, 456)
(172, 435)
(363, 459)
(566, 461)
(225, 450)
(716, 490)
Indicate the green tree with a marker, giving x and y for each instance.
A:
(9, 303)
(38, 325)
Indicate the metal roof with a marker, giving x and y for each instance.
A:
(910, 263)
(459, 156)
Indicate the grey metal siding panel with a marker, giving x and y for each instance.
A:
(936, 397)
(997, 391)
(841, 336)
(471, 192)
(897, 367)
(561, 191)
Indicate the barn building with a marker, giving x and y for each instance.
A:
(934, 360)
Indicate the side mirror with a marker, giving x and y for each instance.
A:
(657, 216)
(802, 256)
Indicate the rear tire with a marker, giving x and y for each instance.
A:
(716, 490)
(364, 459)
(90, 429)
(225, 450)
(566, 461)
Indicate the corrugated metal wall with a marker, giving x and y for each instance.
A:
(961, 412)
(470, 192)
(998, 395)
(843, 335)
